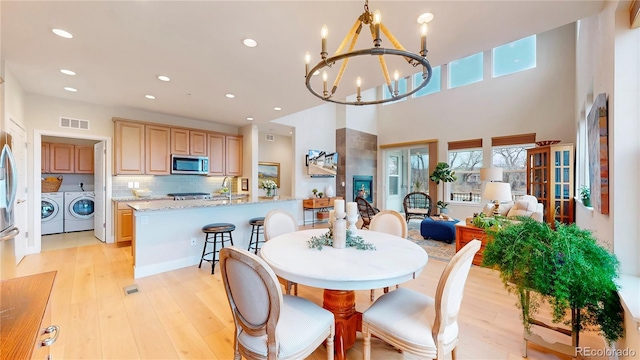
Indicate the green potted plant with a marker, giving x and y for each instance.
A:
(443, 173)
(564, 266)
(315, 192)
(585, 195)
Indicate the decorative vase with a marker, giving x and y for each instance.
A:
(269, 192)
(329, 191)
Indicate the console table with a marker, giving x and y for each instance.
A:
(315, 205)
(465, 233)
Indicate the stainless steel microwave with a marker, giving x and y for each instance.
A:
(190, 165)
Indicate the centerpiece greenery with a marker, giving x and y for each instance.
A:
(326, 239)
(564, 266)
(443, 173)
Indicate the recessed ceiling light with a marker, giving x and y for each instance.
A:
(250, 43)
(290, 132)
(67, 72)
(150, 97)
(164, 78)
(425, 18)
(62, 33)
(250, 118)
(277, 108)
(71, 89)
(230, 96)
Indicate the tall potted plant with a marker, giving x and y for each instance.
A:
(564, 266)
(443, 173)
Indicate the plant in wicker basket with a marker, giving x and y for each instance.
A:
(564, 266)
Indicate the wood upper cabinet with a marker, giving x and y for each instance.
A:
(157, 150)
(44, 159)
(129, 148)
(84, 159)
(216, 154)
(233, 156)
(61, 158)
(188, 142)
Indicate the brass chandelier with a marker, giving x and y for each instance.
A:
(374, 20)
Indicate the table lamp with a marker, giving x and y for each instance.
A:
(491, 174)
(497, 192)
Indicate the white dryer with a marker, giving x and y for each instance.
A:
(79, 209)
(52, 213)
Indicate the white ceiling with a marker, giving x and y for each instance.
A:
(119, 47)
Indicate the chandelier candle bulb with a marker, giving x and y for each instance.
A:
(324, 33)
(377, 19)
(358, 84)
(396, 76)
(307, 61)
(423, 39)
(324, 83)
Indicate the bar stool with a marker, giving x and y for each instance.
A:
(257, 225)
(223, 230)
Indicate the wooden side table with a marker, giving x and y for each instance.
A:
(465, 233)
(314, 205)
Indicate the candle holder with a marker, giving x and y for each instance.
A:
(340, 231)
(352, 219)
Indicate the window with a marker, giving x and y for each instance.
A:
(466, 71)
(402, 88)
(466, 163)
(432, 87)
(515, 56)
(513, 161)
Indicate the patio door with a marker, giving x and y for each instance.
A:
(406, 170)
(396, 186)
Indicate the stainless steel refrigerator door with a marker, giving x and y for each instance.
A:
(8, 182)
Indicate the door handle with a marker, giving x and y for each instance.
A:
(13, 233)
(50, 340)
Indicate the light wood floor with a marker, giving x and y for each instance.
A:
(185, 314)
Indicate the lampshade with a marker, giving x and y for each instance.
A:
(498, 191)
(491, 174)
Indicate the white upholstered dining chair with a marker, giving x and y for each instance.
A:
(268, 324)
(278, 222)
(388, 222)
(402, 317)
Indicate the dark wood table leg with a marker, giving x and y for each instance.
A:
(342, 303)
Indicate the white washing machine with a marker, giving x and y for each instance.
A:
(79, 209)
(52, 213)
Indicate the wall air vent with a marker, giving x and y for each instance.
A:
(74, 123)
(269, 137)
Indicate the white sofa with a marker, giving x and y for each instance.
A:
(527, 205)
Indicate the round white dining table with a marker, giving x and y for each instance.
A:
(341, 271)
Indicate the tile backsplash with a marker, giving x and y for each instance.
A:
(162, 185)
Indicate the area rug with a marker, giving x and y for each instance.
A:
(436, 249)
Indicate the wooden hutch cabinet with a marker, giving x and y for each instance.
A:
(550, 172)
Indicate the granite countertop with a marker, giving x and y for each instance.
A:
(165, 197)
(192, 204)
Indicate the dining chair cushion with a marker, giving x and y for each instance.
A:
(301, 323)
(249, 292)
(412, 315)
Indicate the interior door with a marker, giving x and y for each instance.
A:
(394, 173)
(19, 149)
(99, 221)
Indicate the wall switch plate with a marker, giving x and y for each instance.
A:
(130, 185)
(136, 185)
(193, 241)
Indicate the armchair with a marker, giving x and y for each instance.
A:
(417, 205)
(366, 210)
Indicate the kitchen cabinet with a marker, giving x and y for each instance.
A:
(61, 158)
(83, 159)
(157, 150)
(44, 158)
(225, 155)
(233, 166)
(216, 154)
(25, 326)
(550, 171)
(124, 222)
(188, 142)
(129, 148)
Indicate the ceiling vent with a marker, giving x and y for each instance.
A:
(269, 137)
(74, 123)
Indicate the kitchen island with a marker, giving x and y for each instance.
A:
(168, 236)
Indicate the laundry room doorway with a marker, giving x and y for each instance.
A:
(87, 190)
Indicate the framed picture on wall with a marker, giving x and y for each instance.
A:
(269, 171)
(244, 184)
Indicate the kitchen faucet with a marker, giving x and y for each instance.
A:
(225, 184)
